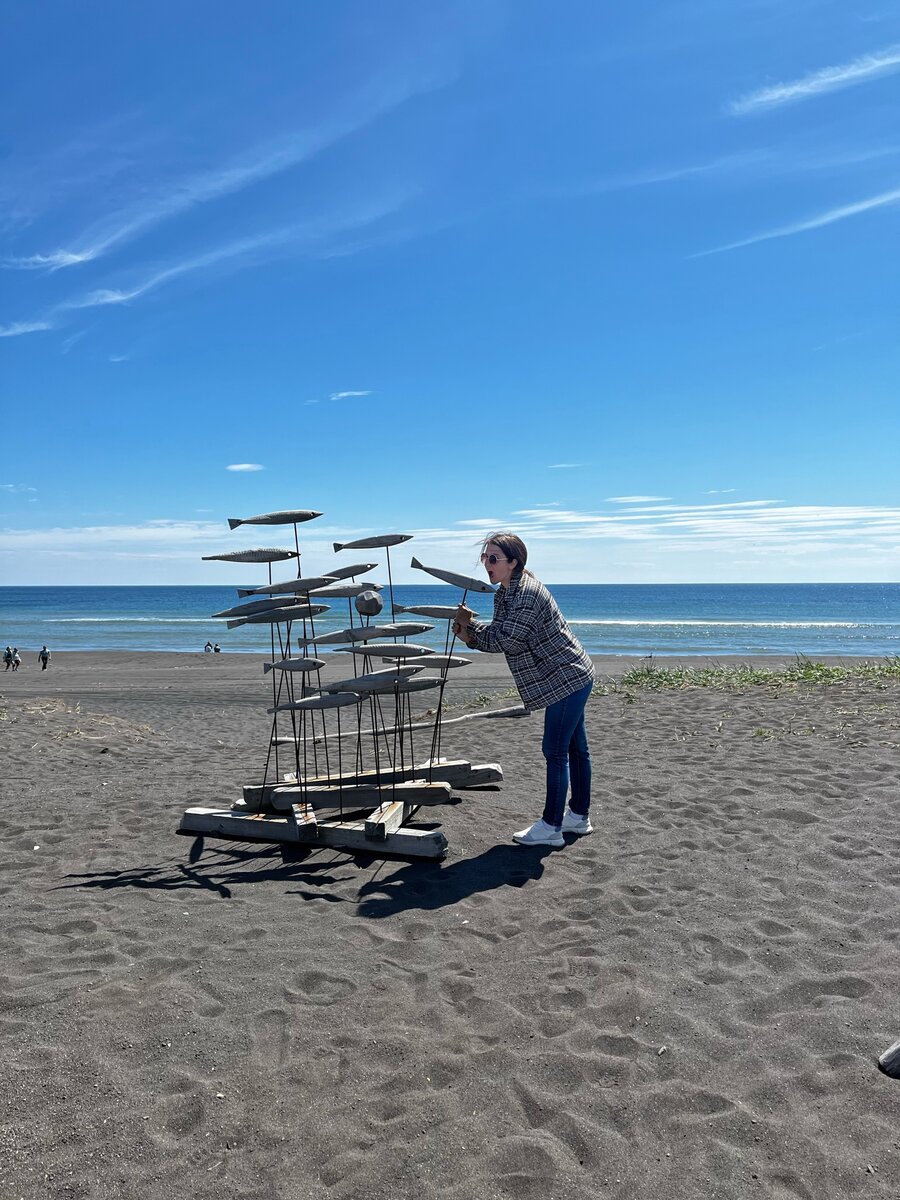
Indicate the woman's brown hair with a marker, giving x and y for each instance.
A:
(512, 546)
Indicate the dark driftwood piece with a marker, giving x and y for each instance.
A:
(889, 1062)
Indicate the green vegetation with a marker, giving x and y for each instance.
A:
(722, 678)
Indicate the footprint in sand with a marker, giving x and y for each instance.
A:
(319, 987)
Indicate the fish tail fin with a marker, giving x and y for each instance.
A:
(415, 563)
(399, 608)
(337, 546)
(246, 591)
(233, 522)
(234, 624)
(267, 667)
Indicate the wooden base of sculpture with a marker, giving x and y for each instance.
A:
(381, 832)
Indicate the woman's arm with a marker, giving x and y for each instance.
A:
(512, 635)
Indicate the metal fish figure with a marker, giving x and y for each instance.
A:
(353, 569)
(391, 650)
(440, 612)
(466, 582)
(363, 633)
(274, 616)
(374, 543)
(418, 685)
(376, 681)
(290, 516)
(345, 591)
(295, 664)
(255, 606)
(439, 660)
(299, 585)
(338, 700)
(265, 555)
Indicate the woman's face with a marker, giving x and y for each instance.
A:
(501, 569)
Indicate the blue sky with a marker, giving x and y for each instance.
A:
(623, 281)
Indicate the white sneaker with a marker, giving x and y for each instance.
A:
(575, 823)
(539, 834)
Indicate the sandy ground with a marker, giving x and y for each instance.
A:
(688, 1003)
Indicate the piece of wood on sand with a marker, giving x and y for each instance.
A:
(416, 792)
(405, 842)
(889, 1062)
(458, 772)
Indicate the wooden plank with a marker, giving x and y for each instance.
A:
(387, 818)
(515, 711)
(458, 772)
(361, 795)
(343, 835)
(303, 817)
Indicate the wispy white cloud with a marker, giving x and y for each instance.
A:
(344, 395)
(564, 466)
(273, 157)
(827, 79)
(635, 499)
(17, 328)
(882, 200)
(16, 487)
(118, 358)
(719, 491)
(307, 237)
(67, 343)
(245, 467)
(792, 541)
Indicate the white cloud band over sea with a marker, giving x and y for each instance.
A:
(742, 541)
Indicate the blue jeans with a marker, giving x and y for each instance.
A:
(566, 750)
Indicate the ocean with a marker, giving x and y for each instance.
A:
(628, 619)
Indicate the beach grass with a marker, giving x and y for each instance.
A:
(652, 677)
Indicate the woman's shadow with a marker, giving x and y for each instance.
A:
(421, 886)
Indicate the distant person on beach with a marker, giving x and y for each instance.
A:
(7, 658)
(16, 660)
(217, 649)
(208, 648)
(44, 657)
(551, 670)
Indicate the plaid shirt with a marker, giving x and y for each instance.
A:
(547, 662)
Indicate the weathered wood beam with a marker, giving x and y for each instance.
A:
(343, 835)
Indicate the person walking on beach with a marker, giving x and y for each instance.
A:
(44, 657)
(16, 660)
(551, 670)
(7, 658)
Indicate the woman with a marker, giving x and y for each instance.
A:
(551, 670)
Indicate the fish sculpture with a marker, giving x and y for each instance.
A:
(466, 582)
(264, 555)
(353, 569)
(418, 685)
(290, 516)
(300, 584)
(345, 591)
(255, 606)
(375, 681)
(443, 661)
(363, 633)
(440, 612)
(389, 650)
(337, 700)
(275, 616)
(374, 543)
(295, 664)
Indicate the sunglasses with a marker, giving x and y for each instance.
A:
(493, 559)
